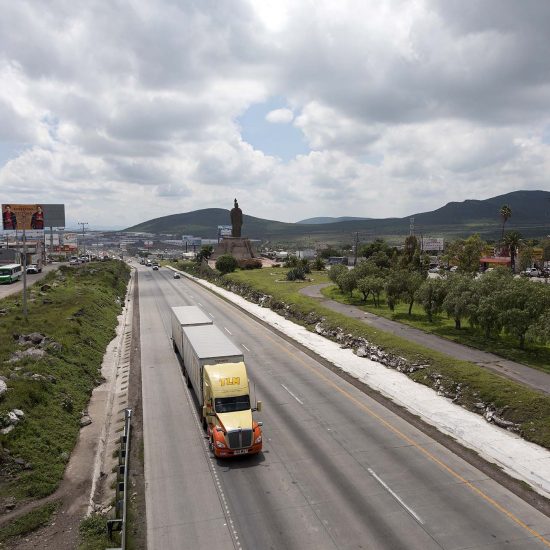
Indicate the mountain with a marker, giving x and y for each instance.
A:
(530, 216)
(313, 221)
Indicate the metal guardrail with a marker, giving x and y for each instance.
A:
(119, 522)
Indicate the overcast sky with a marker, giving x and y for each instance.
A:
(129, 110)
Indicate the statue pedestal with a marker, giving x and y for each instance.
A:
(239, 247)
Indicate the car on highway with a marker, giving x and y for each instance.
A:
(176, 275)
(33, 268)
(155, 268)
(531, 272)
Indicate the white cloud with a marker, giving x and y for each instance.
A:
(280, 116)
(405, 105)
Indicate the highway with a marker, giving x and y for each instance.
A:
(7, 290)
(338, 469)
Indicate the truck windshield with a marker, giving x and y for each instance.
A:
(232, 404)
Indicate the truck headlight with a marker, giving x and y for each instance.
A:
(258, 440)
(220, 445)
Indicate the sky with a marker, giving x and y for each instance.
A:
(131, 110)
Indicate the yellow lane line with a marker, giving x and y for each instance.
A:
(404, 437)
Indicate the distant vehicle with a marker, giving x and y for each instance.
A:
(73, 260)
(333, 260)
(148, 264)
(10, 273)
(532, 272)
(155, 268)
(176, 275)
(33, 268)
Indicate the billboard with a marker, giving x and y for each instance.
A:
(432, 243)
(224, 230)
(16, 217)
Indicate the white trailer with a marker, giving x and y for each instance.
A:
(186, 316)
(205, 345)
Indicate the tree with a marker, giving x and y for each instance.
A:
(367, 268)
(371, 285)
(204, 253)
(526, 254)
(378, 245)
(521, 304)
(431, 295)
(410, 248)
(393, 287)
(465, 254)
(226, 264)
(505, 215)
(513, 240)
(460, 298)
(411, 282)
(295, 274)
(318, 264)
(546, 250)
(347, 282)
(335, 271)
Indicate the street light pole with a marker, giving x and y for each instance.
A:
(83, 224)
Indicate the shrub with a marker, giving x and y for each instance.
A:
(226, 264)
(295, 274)
(318, 264)
(250, 263)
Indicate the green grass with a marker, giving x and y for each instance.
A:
(29, 522)
(515, 402)
(81, 315)
(534, 355)
(93, 534)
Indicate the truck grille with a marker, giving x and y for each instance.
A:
(239, 439)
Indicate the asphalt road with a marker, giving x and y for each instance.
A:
(6, 290)
(338, 469)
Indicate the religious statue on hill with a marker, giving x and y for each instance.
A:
(236, 220)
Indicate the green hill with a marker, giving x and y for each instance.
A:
(530, 216)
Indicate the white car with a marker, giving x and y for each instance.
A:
(33, 268)
(532, 272)
(176, 275)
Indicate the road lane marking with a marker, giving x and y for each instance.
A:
(256, 324)
(395, 495)
(245, 347)
(200, 304)
(228, 331)
(210, 315)
(301, 402)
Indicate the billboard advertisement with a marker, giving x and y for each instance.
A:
(432, 243)
(224, 230)
(16, 217)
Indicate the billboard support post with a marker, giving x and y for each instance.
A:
(25, 274)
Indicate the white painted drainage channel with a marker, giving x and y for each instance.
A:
(116, 370)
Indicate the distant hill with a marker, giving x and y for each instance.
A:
(530, 216)
(313, 221)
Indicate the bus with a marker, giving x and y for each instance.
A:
(10, 273)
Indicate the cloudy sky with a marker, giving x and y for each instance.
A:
(129, 110)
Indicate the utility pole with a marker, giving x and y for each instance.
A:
(83, 224)
(355, 248)
(411, 226)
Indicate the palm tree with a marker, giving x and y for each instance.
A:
(513, 240)
(505, 214)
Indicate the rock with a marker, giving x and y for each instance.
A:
(12, 417)
(19, 413)
(33, 353)
(319, 328)
(479, 405)
(3, 312)
(10, 504)
(85, 421)
(45, 288)
(38, 378)
(7, 430)
(504, 423)
(19, 461)
(3, 387)
(361, 352)
(35, 337)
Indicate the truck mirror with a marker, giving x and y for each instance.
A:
(258, 406)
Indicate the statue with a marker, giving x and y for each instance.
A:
(236, 220)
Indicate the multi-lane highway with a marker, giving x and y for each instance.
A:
(338, 469)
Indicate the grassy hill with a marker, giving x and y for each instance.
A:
(530, 216)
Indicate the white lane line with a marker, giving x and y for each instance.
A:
(245, 347)
(228, 331)
(395, 496)
(200, 304)
(210, 315)
(299, 401)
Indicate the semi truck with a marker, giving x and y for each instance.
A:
(214, 368)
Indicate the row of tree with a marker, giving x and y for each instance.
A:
(493, 303)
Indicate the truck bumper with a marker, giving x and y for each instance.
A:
(228, 453)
